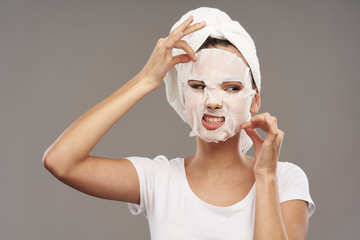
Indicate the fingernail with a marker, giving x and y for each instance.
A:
(190, 17)
(267, 117)
(202, 23)
(179, 34)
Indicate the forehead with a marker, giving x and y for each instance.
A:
(232, 49)
(218, 65)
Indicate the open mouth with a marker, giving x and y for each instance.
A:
(212, 122)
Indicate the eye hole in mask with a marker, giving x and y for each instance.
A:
(227, 86)
(232, 87)
(196, 84)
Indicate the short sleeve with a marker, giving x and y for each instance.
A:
(147, 170)
(294, 184)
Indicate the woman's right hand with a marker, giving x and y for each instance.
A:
(161, 59)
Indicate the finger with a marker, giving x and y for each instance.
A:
(171, 40)
(245, 125)
(255, 124)
(260, 116)
(182, 58)
(258, 121)
(185, 46)
(195, 27)
(273, 130)
(279, 139)
(182, 27)
(255, 137)
(175, 35)
(178, 33)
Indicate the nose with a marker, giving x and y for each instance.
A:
(213, 106)
(213, 99)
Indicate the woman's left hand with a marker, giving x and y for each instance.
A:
(266, 151)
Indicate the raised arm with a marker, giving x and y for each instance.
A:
(68, 157)
(273, 221)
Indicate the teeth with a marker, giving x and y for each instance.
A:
(214, 120)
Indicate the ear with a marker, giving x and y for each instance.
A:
(255, 104)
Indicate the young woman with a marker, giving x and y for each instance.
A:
(212, 80)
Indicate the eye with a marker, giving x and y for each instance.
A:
(233, 89)
(196, 84)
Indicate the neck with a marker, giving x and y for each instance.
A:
(214, 157)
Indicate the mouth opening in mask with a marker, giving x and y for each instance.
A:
(211, 122)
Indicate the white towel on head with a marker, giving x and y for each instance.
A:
(218, 25)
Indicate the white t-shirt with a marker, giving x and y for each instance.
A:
(175, 212)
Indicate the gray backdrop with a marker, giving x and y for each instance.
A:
(60, 58)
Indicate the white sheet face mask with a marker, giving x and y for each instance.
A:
(217, 92)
